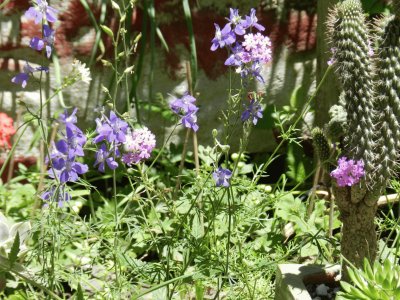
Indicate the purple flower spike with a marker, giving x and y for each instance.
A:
(103, 156)
(224, 37)
(42, 9)
(251, 21)
(253, 111)
(48, 40)
(222, 177)
(348, 172)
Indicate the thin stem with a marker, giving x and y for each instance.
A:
(182, 163)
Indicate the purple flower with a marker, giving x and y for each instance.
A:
(190, 120)
(224, 37)
(236, 21)
(251, 21)
(184, 105)
(222, 177)
(187, 110)
(253, 111)
(103, 156)
(238, 57)
(74, 142)
(111, 130)
(22, 78)
(56, 193)
(67, 169)
(48, 40)
(42, 8)
(348, 172)
(138, 146)
(71, 119)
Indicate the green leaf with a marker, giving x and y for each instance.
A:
(199, 290)
(13, 255)
(79, 293)
(197, 226)
(108, 31)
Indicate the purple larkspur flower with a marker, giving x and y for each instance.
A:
(103, 156)
(22, 78)
(253, 111)
(112, 130)
(236, 20)
(224, 37)
(48, 41)
(56, 194)
(68, 119)
(187, 110)
(238, 57)
(190, 120)
(183, 105)
(67, 169)
(251, 21)
(40, 10)
(73, 143)
(138, 146)
(348, 172)
(222, 177)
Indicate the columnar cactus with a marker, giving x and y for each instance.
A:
(370, 79)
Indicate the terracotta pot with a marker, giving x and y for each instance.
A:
(291, 279)
(26, 161)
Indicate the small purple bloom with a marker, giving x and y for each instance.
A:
(253, 111)
(74, 142)
(68, 169)
(48, 40)
(222, 177)
(251, 21)
(236, 21)
(22, 78)
(224, 37)
(187, 110)
(42, 8)
(190, 120)
(103, 156)
(348, 172)
(69, 119)
(184, 104)
(111, 130)
(56, 193)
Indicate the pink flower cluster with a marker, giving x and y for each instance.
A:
(138, 146)
(348, 172)
(258, 46)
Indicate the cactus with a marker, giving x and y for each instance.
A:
(370, 125)
(321, 144)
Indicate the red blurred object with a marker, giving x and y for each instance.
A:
(6, 130)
